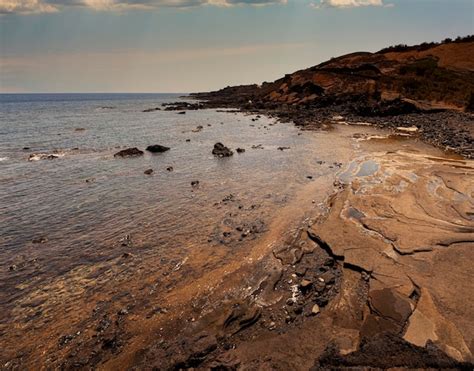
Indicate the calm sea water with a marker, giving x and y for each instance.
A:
(86, 202)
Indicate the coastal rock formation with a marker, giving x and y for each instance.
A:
(430, 85)
(398, 224)
(129, 152)
(392, 81)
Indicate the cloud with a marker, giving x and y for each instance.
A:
(348, 3)
(25, 6)
(50, 6)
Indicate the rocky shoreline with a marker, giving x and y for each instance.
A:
(450, 130)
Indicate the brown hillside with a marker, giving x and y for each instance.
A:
(398, 80)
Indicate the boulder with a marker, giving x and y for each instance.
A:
(129, 152)
(156, 148)
(221, 151)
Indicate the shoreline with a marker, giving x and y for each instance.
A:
(333, 312)
(449, 130)
(311, 303)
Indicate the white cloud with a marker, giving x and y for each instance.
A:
(348, 3)
(48, 6)
(25, 6)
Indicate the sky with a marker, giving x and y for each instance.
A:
(199, 45)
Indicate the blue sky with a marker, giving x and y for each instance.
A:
(194, 45)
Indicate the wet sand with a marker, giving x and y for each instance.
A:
(375, 250)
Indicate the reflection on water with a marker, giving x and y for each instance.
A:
(82, 225)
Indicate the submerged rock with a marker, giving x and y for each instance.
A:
(152, 109)
(129, 152)
(44, 156)
(156, 148)
(221, 151)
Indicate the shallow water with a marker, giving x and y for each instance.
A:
(86, 208)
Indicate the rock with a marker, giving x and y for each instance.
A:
(182, 113)
(328, 277)
(148, 171)
(283, 148)
(427, 324)
(169, 168)
(152, 109)
(315, 309)
(240, 150)
(305, 284)
(309, 177)
(79, 129)
(221, 151)
(43, 156)
(122, 312)
(188, 140)
(301, 271)
(198, 129)
(156, 148)
(129, 152)
(26, 148)
(195, 183)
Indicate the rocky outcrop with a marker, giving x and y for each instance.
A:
(391, 82)
(405, 230)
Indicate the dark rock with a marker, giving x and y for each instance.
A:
(129, 152)
(240, 150)
(386, 351)
(148, 171)
(221, 151)
(195, 183)
(156, 148)
(283, 148)
(152, 109)
(182, 113)
(169, 168)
